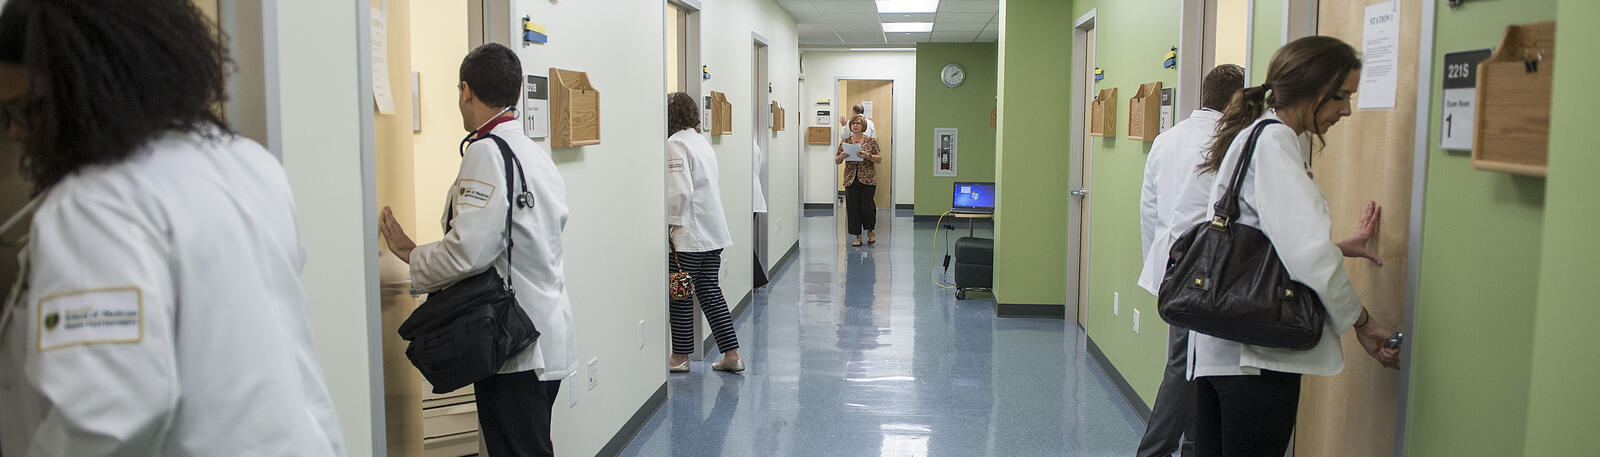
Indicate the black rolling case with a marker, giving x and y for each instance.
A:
(974, 264)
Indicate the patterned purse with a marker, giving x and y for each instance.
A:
(680, 286)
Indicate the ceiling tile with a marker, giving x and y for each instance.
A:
(965, 17)
(845, 6)
(957, 27)
(955, 37)
(988, 36)
(847, 18)
(807, 17)
(797, 6)
(805, 28)
(917, 17)
(969, 6)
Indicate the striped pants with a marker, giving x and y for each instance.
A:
(703, 267)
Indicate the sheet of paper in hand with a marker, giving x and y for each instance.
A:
(853, 153)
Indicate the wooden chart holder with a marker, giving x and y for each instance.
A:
(1103, 113)
(819, 135)
(777, 117)
(721, 114)
(1512, 134)
(574, 109)
(1144, 112)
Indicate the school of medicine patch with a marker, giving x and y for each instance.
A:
(675, 165)
(95, 316)
(472, 192)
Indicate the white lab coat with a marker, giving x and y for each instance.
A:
(1280, 197)
(163, 313)
(694, 195)
(476, 239)
(871, 132)
(1173, 197)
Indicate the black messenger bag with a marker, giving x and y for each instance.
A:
(1225, 279)
(467, 331)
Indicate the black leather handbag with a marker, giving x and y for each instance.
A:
(467, 331)
(1225, 279)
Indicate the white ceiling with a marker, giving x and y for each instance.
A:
(857, 23)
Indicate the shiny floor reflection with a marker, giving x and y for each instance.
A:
(857, 353)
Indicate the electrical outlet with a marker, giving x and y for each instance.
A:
(594, 372)
(1116, 304)
(1136, 321)
(641, 334)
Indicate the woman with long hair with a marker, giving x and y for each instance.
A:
(1247, 397)
(698, 231)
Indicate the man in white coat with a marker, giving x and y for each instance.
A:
(514, 406)
(1173, 199)
(159, 310)
(844, 123)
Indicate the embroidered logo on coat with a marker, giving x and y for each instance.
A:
(472, 192)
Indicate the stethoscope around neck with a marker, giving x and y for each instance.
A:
(525, 199)
(466, 140)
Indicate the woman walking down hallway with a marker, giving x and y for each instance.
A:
(860, 155)
(697, 232)
(1247, 397)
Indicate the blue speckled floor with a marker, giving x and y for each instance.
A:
(857, 353)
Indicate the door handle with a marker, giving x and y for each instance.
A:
(1080, 192)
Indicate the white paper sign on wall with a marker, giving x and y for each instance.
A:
(1456, 119)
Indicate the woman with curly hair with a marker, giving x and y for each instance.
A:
(159, 311)
(698, 231)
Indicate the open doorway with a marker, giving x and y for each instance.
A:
(760, 133)
(876, 97)
(1083, 93)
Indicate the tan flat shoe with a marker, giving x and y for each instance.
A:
(872, 238)
(856, 243)
(731, 367)
(679, 368)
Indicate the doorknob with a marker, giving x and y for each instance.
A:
(1080, 192)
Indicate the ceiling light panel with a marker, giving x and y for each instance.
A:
(907, 6)
(897, 27)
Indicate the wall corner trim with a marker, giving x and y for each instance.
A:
(631, 428)
(1128, 394)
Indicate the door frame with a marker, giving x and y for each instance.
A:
(761, 134)
(1077, 247)
(894, 101)
(1194, 43)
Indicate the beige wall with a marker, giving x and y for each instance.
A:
(1233, 28)
(439, 42)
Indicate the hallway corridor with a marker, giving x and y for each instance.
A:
(857, 353)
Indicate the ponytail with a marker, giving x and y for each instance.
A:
(1247, 105)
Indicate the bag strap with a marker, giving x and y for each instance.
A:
(674, 251)
(1227, 208)
(507, 158)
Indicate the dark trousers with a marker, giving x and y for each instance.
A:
(514, 414)
(861, 212)
(1245, 416)
(703, 268)
(1172, 418)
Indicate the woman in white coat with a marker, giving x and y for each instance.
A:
(1247, 397)
(159, 310)
(514, 406)
(698, 231)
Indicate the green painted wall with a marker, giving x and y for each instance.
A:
(1030, 247)
(1266, 37)
(965, 108)
(1133, 37)
(1473, 327)
(1564, 399)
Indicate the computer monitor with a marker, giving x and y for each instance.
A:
(972, 197)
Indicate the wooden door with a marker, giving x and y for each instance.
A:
(1368, 158)
(881, 94)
